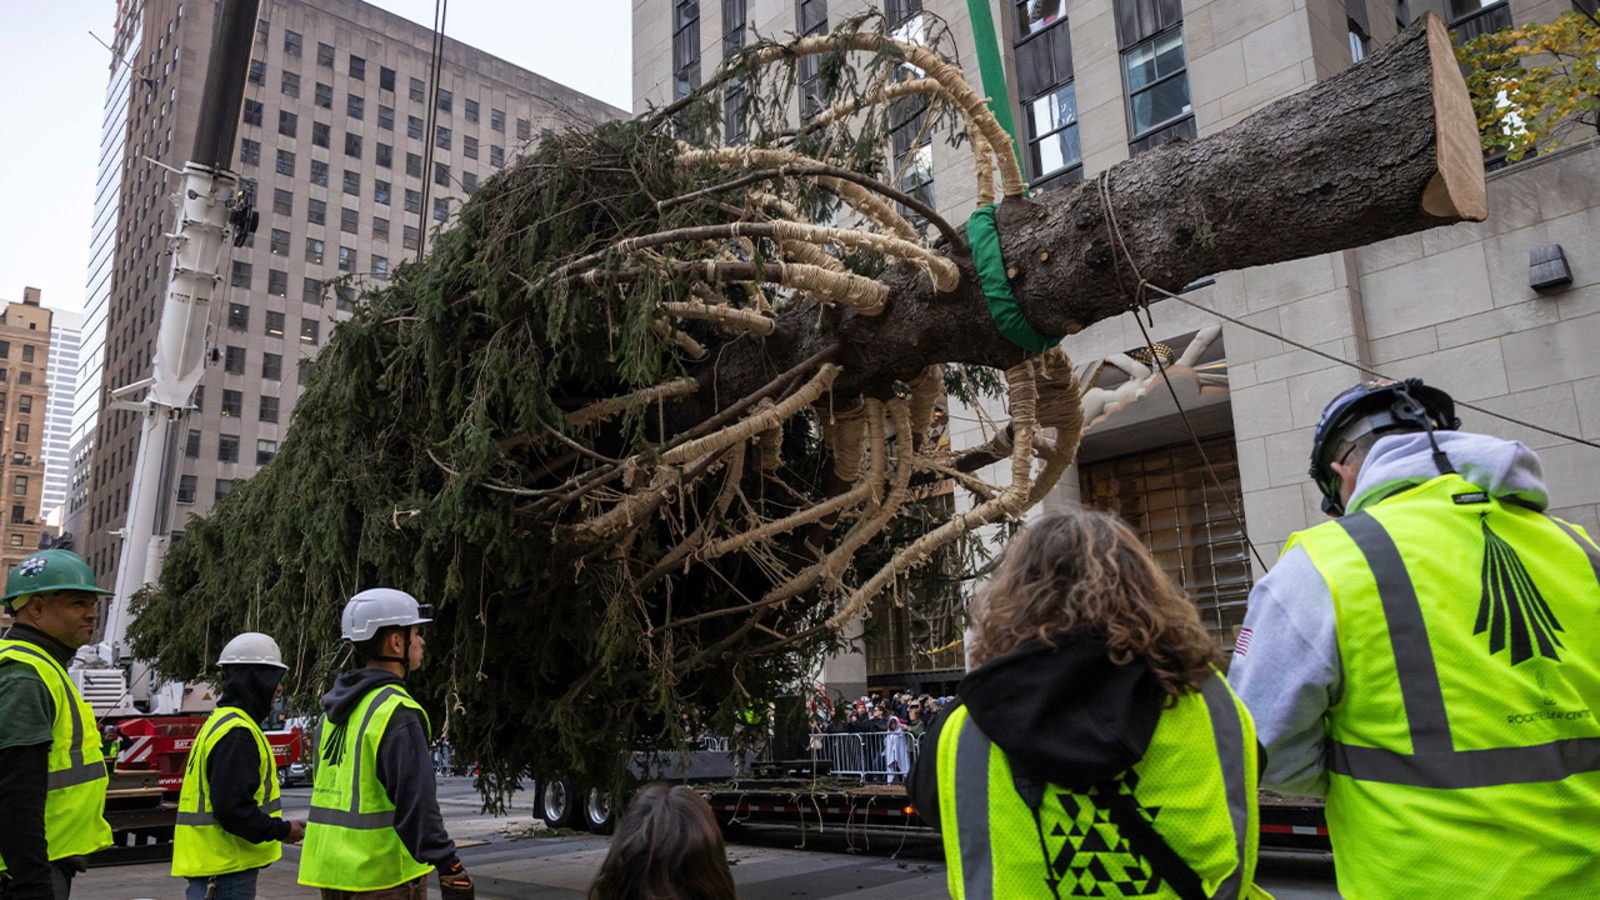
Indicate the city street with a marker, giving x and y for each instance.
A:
(767, 862)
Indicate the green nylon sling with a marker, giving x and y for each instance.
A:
(76, 777)
(984, 238)
(1196, 786)
(351, 844)
(201, 847)
(1464, 754)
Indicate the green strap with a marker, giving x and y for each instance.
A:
(992, 70)
(1003, 309)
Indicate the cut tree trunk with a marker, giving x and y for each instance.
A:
(1386, 148)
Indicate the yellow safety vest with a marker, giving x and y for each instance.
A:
(1464, 756)
(351, 844)
(201, 846)
(76, 777)
(1195, 787)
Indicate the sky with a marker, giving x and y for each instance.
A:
(55, 77)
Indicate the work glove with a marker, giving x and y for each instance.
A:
(78, 864)
(455, 883)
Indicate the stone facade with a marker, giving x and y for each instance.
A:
(24, 416)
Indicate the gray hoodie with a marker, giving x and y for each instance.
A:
(1286, 666)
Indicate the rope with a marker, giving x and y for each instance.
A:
(1116, 231)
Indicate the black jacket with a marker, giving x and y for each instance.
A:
(22, 796)
(405, 767)
(1068, 716)
(233, 769)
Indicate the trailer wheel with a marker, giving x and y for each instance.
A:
(558, 803)
(283, 776)
(598, 814)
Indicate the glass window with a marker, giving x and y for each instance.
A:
(280, 242)
(441, 208)
(446, 101)
(271, 368)
(233, 363)
(253, 111)
(288, 123)
(386, 118)
(1158, 84)
(352, 145)
(309, 329)
(380, 268)
(497, 156)
(385, 156)
(186, 488)
(1053, 123)
(524, 130)
(232, 404)
(285, 165)
(497, 120)
(238, 317)
(191, 447)
(324, 95)
(355, 107)
(413, 127)
(470, 107)
(319, 173)
(317, 210)
(469, 146)
(345, 296)
(278, 282)
(241, 274)
(199, 400)
(441, 138)
(266, 450)
(347, 259)
(418, 92)
(263, 31)
(227, 448)
(268, 411)
(311, 291)
(414, 165)
(325, 55)
(441, 174)
(413, 201)
(291, 84)
(409, 237)
(303, 370)
(274, 324)
(348, 220)
(352, 182)
(358, 68)
(321, 134)
(223, 488)
(258, 72)
(249, 152)
(293, 44)
(469, 181)
(385, 78)
(380, 192)
(380, 229)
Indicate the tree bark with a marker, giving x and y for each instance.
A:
(1386, 148)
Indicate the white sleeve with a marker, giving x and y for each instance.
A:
(1286, 669)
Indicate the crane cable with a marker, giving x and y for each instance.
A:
(429, 138)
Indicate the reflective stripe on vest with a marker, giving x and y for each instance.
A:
(351, 844)
(201, 845)
(966, 757)
(75, 774)
(1434, 762)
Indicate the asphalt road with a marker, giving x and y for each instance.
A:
(769, 863)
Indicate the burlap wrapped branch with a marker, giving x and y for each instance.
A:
(869, 205)
(745, 429)
(736, 319)
(605, 409)
(925, 392)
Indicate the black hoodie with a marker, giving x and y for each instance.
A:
(405, 767)
(233, 768)
(1068, 716)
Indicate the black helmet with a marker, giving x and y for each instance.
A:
(1374, 407)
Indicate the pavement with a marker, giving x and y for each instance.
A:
(511, 857)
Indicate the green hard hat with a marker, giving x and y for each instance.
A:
(46, 572)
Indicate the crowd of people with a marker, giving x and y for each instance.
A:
(875, 714)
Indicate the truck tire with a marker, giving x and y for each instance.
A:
(599, 814)
(283, 777)
(558, 803)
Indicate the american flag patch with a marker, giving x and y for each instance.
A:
(1242, 645)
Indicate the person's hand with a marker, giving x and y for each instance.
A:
(297, 832)
(455, 883)
(79, 864)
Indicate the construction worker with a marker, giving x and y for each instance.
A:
(375, 830)
(52, 771)
(1429, 660)
(230, 820)
(1095, 750)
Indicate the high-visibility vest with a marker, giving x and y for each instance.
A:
(76, 777)
(200, 845)
(1463, 755)
(1195, 787)
(351, 844)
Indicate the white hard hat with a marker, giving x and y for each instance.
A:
(252, 649)
(378, 608)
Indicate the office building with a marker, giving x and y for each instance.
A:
(348, 176)
(61, 374)
(1095, 82)
(24, 356)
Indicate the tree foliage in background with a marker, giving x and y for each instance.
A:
(1536, 87)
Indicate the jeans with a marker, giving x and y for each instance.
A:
(234, 886)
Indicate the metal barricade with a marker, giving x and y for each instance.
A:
(873, 756)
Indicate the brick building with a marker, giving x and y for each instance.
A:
(24, 396)
(1094, 82)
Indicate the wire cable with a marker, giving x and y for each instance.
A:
(429, 136)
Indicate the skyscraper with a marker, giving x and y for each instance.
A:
(340, 121)
(61, 374)
(24, 350)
